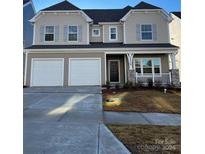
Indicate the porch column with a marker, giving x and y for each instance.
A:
(174, 72)
(173, 60)
(131, 71)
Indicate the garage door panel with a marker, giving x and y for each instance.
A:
(85, 72)
(47, 72)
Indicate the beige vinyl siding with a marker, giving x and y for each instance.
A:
(146, 18)
(66, 56)
(60, 20)
(119, 33)
(96, 39)
(175, 37)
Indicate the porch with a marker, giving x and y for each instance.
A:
(140, 68)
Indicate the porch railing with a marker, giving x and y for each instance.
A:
(162, 78)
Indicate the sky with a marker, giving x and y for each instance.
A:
(168, 5)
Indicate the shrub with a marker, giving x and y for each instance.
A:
(128, 84)
(117, 86)
(125, 85)
(150, 83)
(158, 83)
(139, 84)
(108, 85)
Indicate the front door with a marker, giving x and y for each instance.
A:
(114, 71)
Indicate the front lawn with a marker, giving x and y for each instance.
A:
(149, 139)
(142, 101)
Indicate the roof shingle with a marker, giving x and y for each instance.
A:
(104, 45)
(25, 1)
(178, 14)
(144, 5)
(106, 15)
(64, 5)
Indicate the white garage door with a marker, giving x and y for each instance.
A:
(84, 72)
(47, 72)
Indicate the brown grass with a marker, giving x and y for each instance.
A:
(142, 101)
(149, 139)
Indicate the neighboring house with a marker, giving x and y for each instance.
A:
(28, 13)
(74, 46)
(175, 37)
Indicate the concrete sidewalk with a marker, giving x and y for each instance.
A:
(142, 118)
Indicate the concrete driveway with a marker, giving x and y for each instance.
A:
(66, 121)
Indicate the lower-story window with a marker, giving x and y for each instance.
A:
(156, 65)
(148, 66)
(138, 66)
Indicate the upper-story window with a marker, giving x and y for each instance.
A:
(49, 33)
(146, 32)
(112, 33)
(95, 32)
(72, 33)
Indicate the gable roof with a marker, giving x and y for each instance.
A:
(144, 5)
(178, 14)
(106, 15)
(64, 5)
(25, 1)
(100, 15)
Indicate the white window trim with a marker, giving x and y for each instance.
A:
(103, 33)
(68, 34)
(149, 31)
(34, 34)
(118, 69)
(93, 34)
(49, 33)
(88, 34)
(141, 65)
(110, 39)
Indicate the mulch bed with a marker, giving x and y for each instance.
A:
(142, 100)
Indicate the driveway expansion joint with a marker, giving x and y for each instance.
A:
(145, 118)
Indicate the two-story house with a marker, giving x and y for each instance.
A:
(73, 46)
(175, 37)
(28, 13)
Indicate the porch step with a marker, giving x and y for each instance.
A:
(109, 144)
